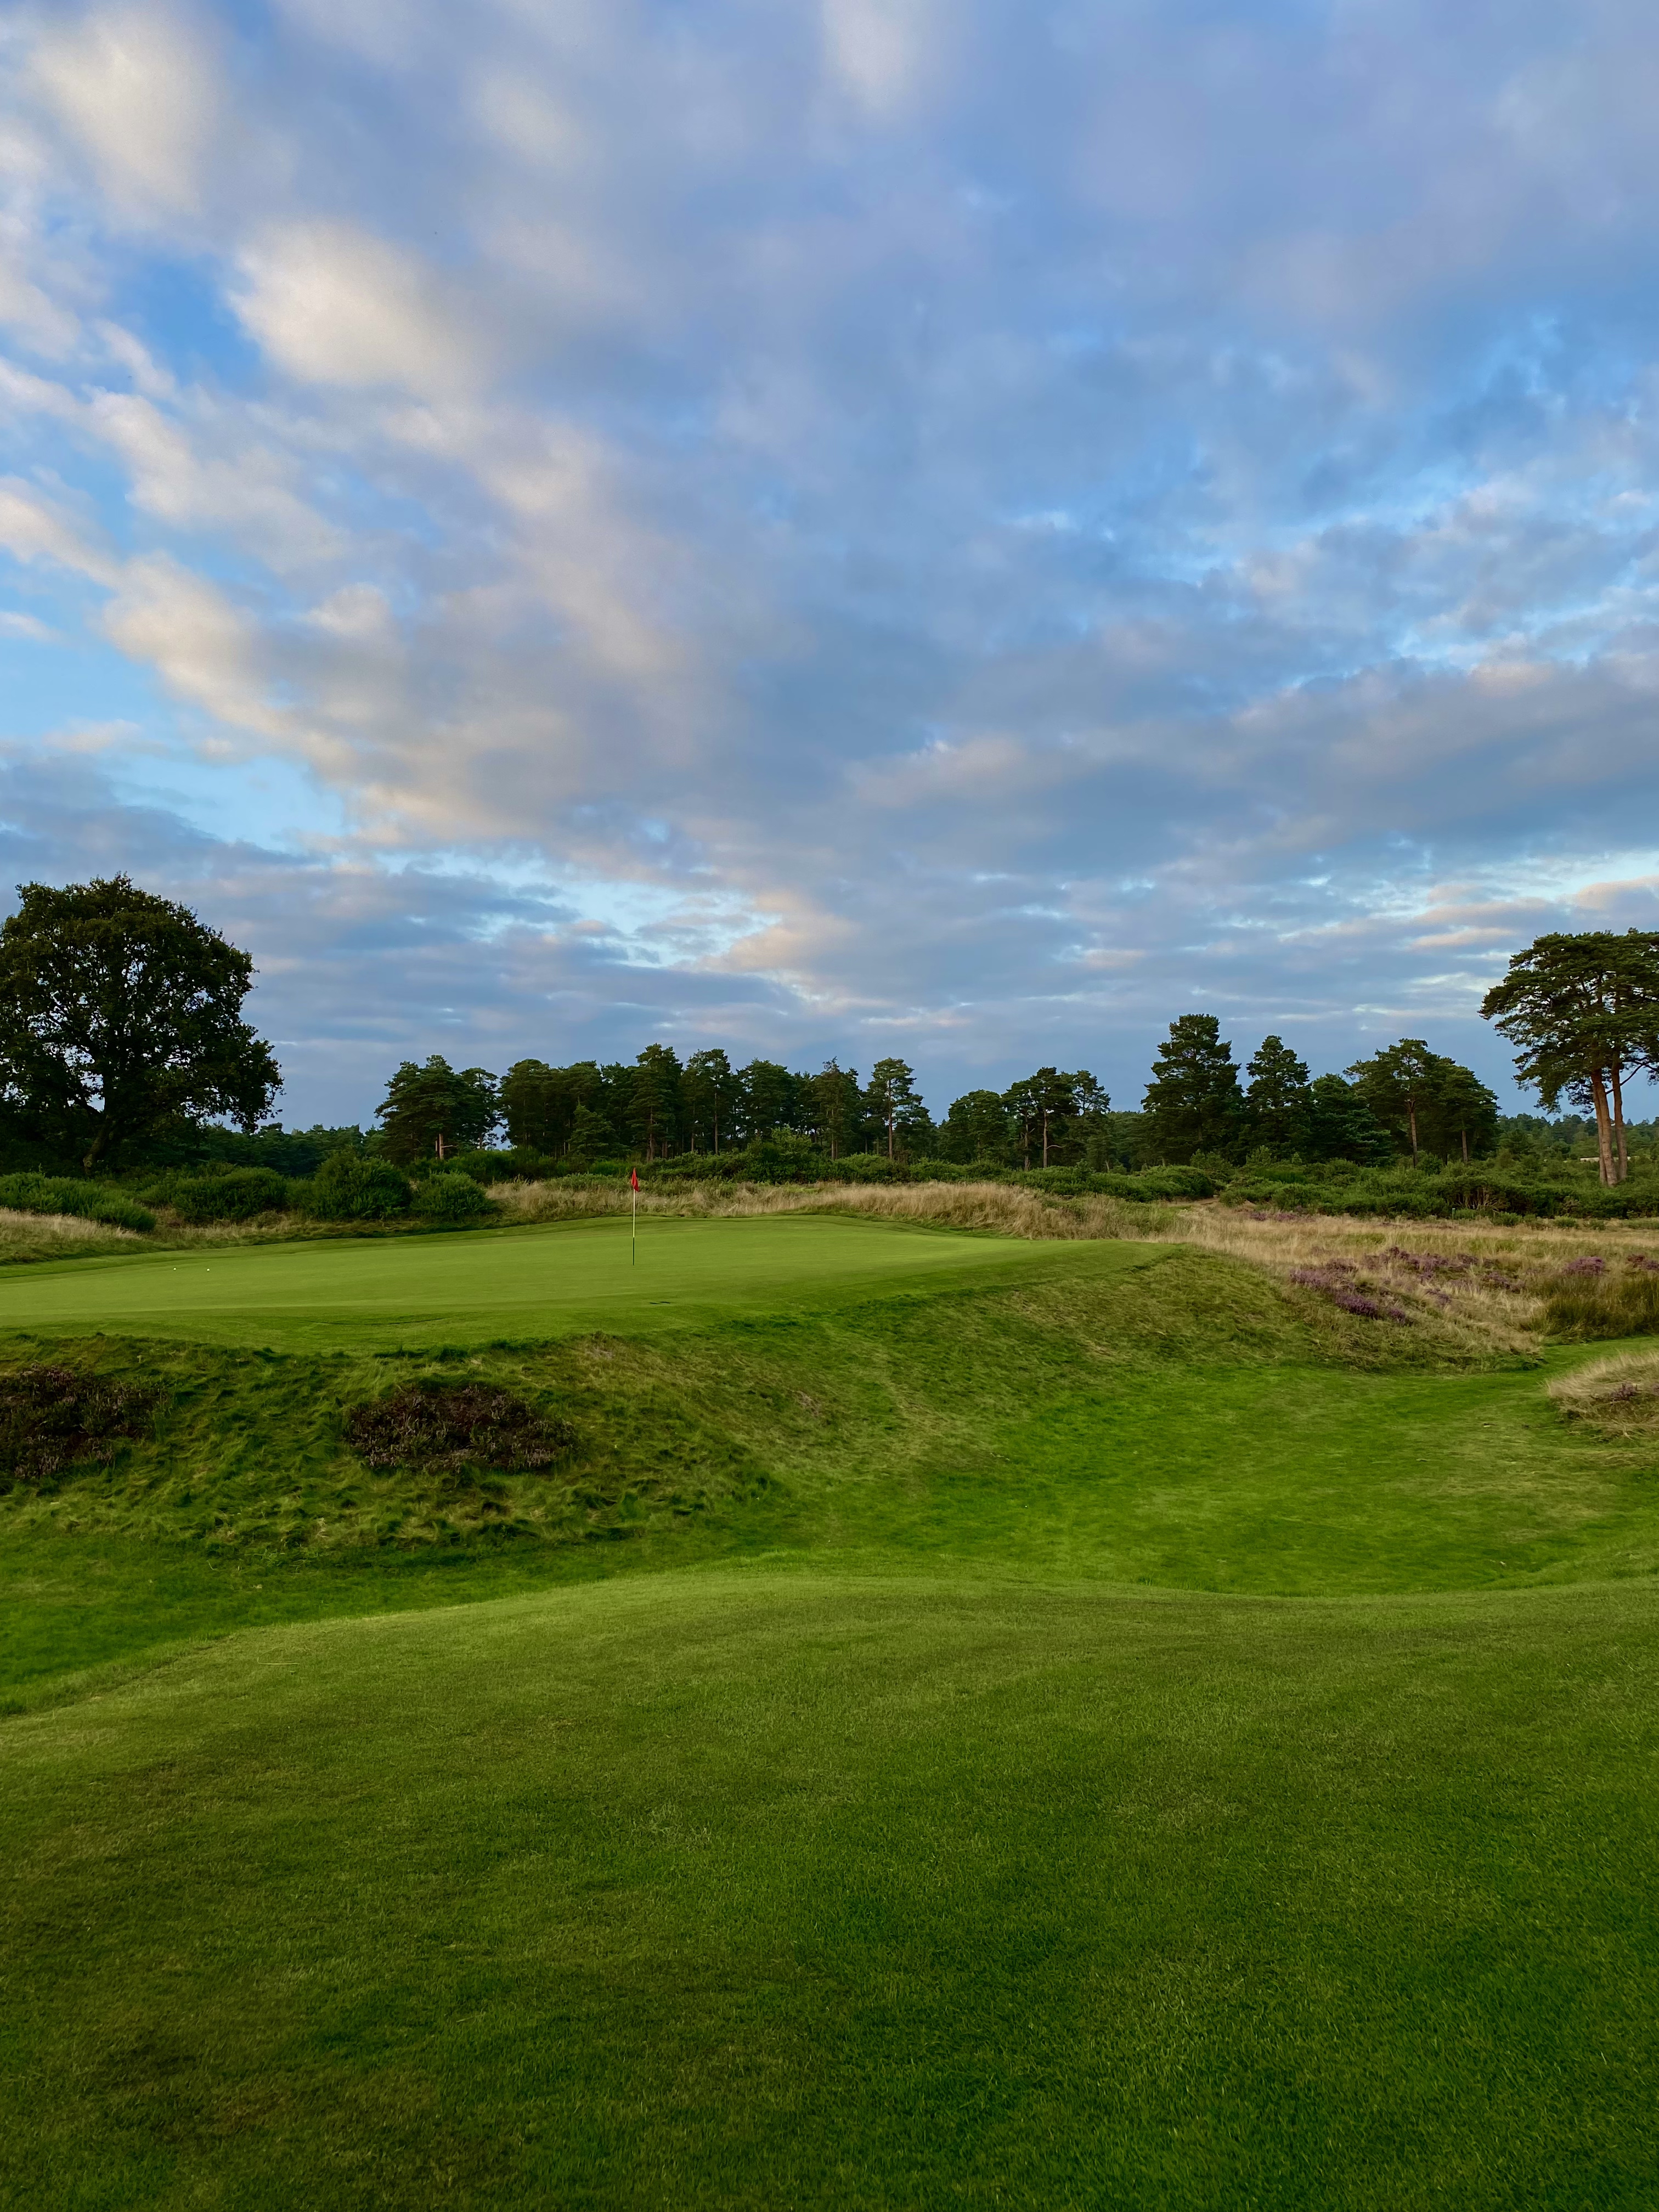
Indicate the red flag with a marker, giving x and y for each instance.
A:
(633, 1177)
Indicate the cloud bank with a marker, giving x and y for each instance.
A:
(835, 527)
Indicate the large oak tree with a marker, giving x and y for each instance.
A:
(121, 1014)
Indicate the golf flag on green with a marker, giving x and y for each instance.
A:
(634, 1246)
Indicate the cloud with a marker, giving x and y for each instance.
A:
(26, 627)
(32, 530)
(138, 88)
(853, 521)
(331, 303)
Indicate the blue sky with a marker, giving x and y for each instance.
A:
(864, 526)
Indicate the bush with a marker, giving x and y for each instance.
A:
(514, 1164)
(453, 1197)
(87, 1201)
(51, 1417)
(350, 1187)
(237, 1196)
(452, 1426)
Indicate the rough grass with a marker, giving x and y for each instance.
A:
(999, 1209)
(1618, 1395)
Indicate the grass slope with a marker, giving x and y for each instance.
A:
(855, 1833)
(467, 1289)
(739, 1890)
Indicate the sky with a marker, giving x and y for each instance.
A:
(959, 528)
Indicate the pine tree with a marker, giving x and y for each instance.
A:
(1193, 1103)
(1276, 1105)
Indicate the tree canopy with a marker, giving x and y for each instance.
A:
(120, 1014)
(1193, 1103)
(1582, 1007)
(433, 1109)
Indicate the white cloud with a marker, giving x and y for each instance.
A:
(204, 649)
(138, 87)
(247, 491)
(28, 628)
(331, 303)
(31, 530)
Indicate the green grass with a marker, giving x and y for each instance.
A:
(465, 1289)
(1098, 1730)
(730, 1890)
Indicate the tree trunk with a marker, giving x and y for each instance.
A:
(1045, 1140)
(1411, 1117)
(1465, 1136)
(1603, 1127)
(1619, 1120)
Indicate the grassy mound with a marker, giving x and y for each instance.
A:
(934, 1722)
(746, 1891)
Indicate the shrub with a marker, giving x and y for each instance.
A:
(453, 1197)
(348, 1187)
(52, 1416)
(236, 1196)
(452, 1426)
(87, 1201)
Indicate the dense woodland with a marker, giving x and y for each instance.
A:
(124, 1052)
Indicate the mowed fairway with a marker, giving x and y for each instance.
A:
(751, 1891)
(947, 1815)
(469, 1288)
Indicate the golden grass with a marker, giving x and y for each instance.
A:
(1484, 1285)
(1619, 1394)
(1002, 1209)
(36, 1229)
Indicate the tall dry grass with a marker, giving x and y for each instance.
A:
(1618, 1395)
(17, 1228)
(1497, 1287)
(996, 1208)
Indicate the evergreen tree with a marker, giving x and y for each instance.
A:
(1341, 1126)
(834, 1105)
(1276, 1105)
(712, 1095)
(767, 1098)
(1193, 1103)
(1584, 1010)
(432, 1110)
(976, 1129)
(654, 1100)
(537, 1104)
(1463, 1113)
(889, 1096)
(1399, 1085)
(1022, 1102)
(591, 1137)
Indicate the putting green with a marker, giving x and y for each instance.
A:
(519, 1283)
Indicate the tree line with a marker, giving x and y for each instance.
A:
(1198, 1104)
(121, 1033)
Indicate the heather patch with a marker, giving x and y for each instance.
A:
(445, 1427)
(54, 1417)
(1336, 1281)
